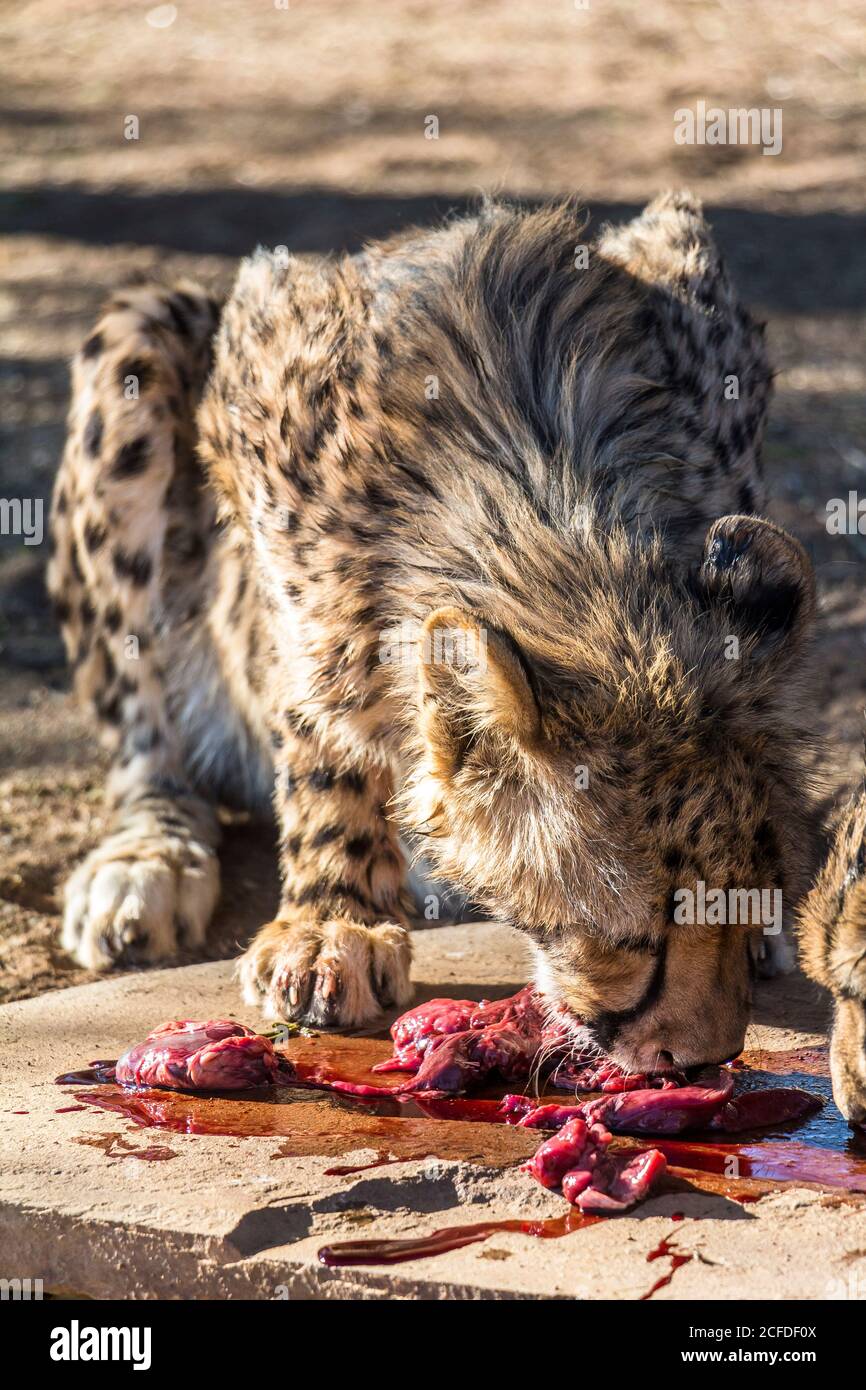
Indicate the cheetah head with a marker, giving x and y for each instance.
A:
(584, 767)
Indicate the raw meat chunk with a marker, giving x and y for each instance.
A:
(578, 1160)
(193, 1055)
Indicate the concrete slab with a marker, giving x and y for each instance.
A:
(91, 1202)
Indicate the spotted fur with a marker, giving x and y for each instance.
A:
(832, 924)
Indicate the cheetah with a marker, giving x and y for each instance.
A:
(832, 928)
(446, 544)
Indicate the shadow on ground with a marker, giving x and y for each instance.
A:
(808, 262)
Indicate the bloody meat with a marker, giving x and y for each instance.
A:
(452, 1044)
(193, 1055)
(661, 1112)
(601, 1074)
(758, 1109)
(670, 1111)
(415, 1031)
(577, 1160)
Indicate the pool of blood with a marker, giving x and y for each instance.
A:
(324, 1125)
(820, 1151)
(838, 1160)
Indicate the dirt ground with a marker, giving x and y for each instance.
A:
(303, 125)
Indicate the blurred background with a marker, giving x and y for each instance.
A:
(303, 124)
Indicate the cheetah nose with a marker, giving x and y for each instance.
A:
(652, 1058)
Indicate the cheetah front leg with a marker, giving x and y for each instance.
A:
(127, 536)
(338, 952)
(832, 926)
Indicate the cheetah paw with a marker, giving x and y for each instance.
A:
(134, 901)
(334, 974)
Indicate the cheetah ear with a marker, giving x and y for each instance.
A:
(764, 580)
(472, 680)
